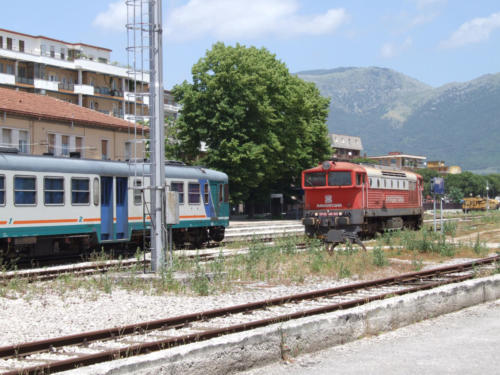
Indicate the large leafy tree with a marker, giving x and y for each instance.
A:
(261, 124)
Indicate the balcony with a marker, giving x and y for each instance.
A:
(108, 91)
(7, 79)
(46, 85)
(84, 89)
(24, 80)
(66, 86)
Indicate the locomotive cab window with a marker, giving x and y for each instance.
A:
(25, 191)
(193, 193)
(360, 178)
(179, 188)
(80, 192)
(315, 179)
(53, 191)
(339, 179)
(2, 190)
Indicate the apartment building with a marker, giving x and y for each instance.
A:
(77, 73)
(39, 124)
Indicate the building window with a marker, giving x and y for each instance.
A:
(65, 145)
(52, 51)
(79, 145)
(128, 150)
(9, 43)
(205, 193)
(9, 68)
(193, 193)
(21, 46)
(2, 190)
(1, 66)
(6, 137)
(63, 53)
(104, 149)
(1, 41)
(24, 190)
(80, 191)
(53, 190)
(178, 187)
(51, 144)
(24, 145)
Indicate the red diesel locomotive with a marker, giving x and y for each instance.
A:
(346, 201)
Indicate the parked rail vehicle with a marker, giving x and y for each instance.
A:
(348, 202)
(50, 204)
(479, 204)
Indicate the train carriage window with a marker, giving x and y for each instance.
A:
(205, 193)
(95, 189)
(339, 179)
(226, 193)
(193, 193)
(2, 190)
(221, 195)
(315, 179)
(80, 193)
(137, 192)
(178, 187)
(378, 183)
(53, 190)
(371, 182)
(25, 190)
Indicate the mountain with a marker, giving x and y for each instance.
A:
(458, 122)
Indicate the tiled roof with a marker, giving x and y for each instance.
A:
(48, 108)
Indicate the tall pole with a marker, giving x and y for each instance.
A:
(157, 137)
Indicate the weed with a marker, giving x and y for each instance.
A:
(378, 257)
(343, 270)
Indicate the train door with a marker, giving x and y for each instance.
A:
(121, 208)
(106, 208)
(215, 189)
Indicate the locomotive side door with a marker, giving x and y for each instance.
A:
(106, 208)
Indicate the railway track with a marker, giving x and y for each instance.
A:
(69, 352)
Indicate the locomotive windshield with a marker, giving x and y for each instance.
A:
(315, 179)
(339, 179)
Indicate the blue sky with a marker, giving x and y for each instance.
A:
(434, 41)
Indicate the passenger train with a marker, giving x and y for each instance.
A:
(49, 204)
(345, 201)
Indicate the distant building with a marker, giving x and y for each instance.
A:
(170, 107)
(346, 147)
(38, 124)
(400, 160)
(441, 167)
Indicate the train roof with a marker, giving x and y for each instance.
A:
(35, 163)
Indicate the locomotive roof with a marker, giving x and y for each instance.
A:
(34, 163)
(371, 170)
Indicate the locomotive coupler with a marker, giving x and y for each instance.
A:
(337, 236)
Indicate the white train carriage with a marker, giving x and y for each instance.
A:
(50, 204)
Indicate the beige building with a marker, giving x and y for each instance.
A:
(442, 168)
(77, 73)
(39, 124)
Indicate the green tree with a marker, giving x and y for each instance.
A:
(261, 124)
(455, 194)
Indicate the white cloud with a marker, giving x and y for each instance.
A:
(390, 50)
(229, 19)
(114, 18)
(473, 31)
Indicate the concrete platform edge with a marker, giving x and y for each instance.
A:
(242, 351)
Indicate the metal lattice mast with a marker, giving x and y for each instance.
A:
(157, 136)
(144, 36)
